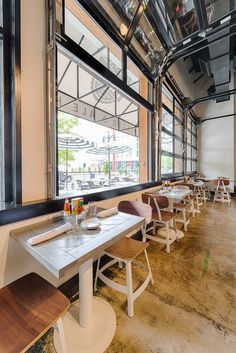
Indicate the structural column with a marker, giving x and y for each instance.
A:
(185, 112)
(143, 134)
(158, 118)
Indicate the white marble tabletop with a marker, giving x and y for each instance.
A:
(67, 252)
(175, 193)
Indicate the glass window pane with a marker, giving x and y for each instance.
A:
(147, 45)
(167, 98)
(194, 141)
(189, 135)
(194, 166)
(178, 110)
(178, 129)
(166, 164)
(178, 147)
(167, 142)
(194, 129)
(189, 166)
(194, 153)
(84, 31)
(218, 8)
(167, 120)
(178, 17)
(120, 13)
(189, 154)
(178, 165)
(189, 123)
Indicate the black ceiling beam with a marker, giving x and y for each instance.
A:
(134, 23)
(213, 96)
(215, 28)
(198, 47)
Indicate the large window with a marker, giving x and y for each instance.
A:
(98, 131)
(172, 135)
(191, 145)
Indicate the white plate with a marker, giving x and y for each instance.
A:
(90, 224)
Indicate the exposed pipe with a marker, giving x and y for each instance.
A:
(218, 117)
(196, 50)
(206, 98)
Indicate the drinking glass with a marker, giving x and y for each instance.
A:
(92, 209)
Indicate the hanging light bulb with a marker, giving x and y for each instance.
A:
(123, 29)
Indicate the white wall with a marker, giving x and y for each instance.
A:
(216, 148)
(33, 99)
(216, 143)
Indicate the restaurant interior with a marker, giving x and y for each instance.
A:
(117, 176)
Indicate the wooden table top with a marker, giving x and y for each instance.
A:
(65, 253)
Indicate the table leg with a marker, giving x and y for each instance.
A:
(90, 323)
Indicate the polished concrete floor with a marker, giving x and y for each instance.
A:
(192, 306)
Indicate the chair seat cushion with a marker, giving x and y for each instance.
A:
(181, 206)
(166, 216)
(29, 306)
(126, 248)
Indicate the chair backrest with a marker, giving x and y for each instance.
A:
(191, 186)
(136, 208)
(146, 198)
(152, 199)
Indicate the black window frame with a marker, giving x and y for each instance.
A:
(173, 134)
(12, 101)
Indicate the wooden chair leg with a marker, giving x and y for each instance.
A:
(129, 287)
(167, 238)
(62, 335)
(149, 267)
(185, 220)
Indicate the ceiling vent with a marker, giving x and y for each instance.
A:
(205, 67)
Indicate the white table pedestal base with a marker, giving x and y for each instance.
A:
(180, 234)
(94, 338)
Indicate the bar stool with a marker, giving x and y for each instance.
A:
(160, 217)
(126, 250)
(222, 192)
(29, 307)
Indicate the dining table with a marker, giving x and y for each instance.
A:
(173, 195)
(90, 323)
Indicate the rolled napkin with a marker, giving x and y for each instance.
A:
(48, 235)
(108, 213)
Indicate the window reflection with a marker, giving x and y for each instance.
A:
(218, 8)
(178, 17)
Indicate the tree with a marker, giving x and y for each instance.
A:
(66, 125)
